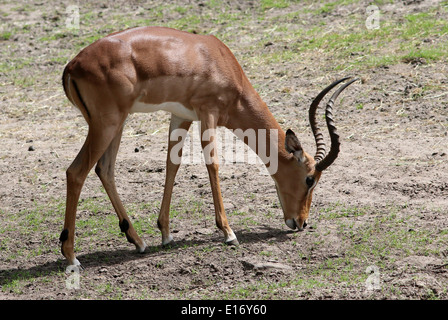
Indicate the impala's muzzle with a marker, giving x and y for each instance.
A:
(294, 224)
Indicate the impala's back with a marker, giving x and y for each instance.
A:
(157, 65)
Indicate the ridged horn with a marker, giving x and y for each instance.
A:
(323, 160)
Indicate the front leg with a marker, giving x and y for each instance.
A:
(178, 130)
(208, 137)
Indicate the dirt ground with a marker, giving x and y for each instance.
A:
(382, 206)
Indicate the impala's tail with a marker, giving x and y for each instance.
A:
(73, 94)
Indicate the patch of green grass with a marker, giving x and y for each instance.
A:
(15, 282)
(423, 24)
(328, 7)
(5, 35)
(355, 46)
(381, 235)
(187, 23)
(371, 236)
(267, 290)
(109, 291)
(339, 210)
(428, 53)
(269, 4)
(13, 64)
(55, 36)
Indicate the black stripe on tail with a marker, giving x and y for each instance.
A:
(80, 98)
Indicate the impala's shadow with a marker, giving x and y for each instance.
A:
(120, 256)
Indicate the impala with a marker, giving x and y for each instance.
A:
(196, 78)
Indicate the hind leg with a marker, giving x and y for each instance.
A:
(105, 169)
(98, 140)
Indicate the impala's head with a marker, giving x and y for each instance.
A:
(303, 171)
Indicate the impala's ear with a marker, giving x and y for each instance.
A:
(292, 145)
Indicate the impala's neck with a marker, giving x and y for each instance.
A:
(252, 116)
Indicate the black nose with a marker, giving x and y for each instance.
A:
(304, 224)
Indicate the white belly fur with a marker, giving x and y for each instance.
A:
(174, 107)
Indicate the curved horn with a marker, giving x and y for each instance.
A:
(320, 144)
(324, 163)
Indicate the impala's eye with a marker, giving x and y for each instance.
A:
(310, 181)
